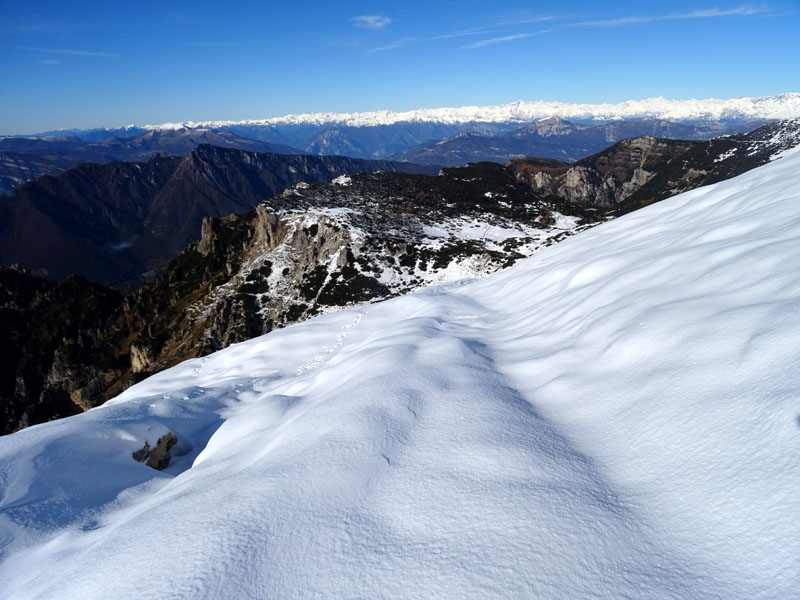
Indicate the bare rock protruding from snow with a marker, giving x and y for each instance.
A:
(270, 231)
(158, 456)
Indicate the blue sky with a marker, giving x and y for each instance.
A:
(89, 64)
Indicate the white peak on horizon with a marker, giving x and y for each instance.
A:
(781, 106)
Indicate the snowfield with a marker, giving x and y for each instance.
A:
(617, 416)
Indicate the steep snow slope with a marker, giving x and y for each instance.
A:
(782, 106)
(614, 417)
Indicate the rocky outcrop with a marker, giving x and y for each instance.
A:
(313, 249)
(121, 223)
(158, 456)
(639, 171)
(607, 179)
(53, 361)
(270, 231)
(206, 243)
(141, 358)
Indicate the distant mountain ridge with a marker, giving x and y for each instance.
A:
(174, 142)
(381, 134)
(556, 138)
(782, 106)
(26, 158)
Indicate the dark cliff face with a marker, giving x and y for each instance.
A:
(52, 359)
(25, 159)
(17, 167)
(121, 223)
(86, 220)
(605, 179)
(712, 161)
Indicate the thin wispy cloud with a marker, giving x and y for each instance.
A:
(614, 22)
(716, 12)
(705, 13)
(376, 22)
(396, 44)
(505, 38)
(416, 40)
(525, 21)
(558, 23)
(457, 34)
(498, 40)
(70, 52)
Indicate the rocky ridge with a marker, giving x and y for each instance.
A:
(24, 159)
(637, 172)
(312, 249)
(121, 223)
(317, 248)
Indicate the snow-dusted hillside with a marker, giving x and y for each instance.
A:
(615, 417)
(782, 106)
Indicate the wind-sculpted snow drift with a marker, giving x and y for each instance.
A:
(614, 417)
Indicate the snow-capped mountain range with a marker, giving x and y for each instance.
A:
(782, 106)
(381, 134)
(615, 417)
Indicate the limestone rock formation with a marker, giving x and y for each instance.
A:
(636, 172)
